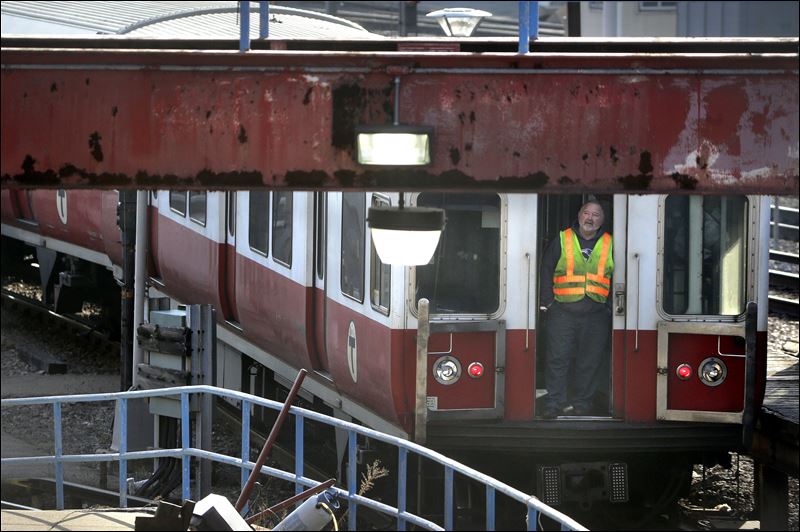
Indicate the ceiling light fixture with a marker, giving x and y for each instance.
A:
(395, 144)
(459, 21)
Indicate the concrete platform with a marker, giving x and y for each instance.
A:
(112, 519)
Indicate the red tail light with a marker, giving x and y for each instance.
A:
(475, 370)
(684, 371)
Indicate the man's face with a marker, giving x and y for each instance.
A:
(590, 218)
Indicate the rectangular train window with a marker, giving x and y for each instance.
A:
(354, 213)
(259, 221)
(464, 274)
(705, 255)
(177, 201)
(380, 284)
(282, 227)
(197, 207)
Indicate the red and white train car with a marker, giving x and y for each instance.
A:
(297, 284)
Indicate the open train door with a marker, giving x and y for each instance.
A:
(707, 257)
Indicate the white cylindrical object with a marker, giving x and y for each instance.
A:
(311, 515)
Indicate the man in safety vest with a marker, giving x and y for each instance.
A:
(576, 283)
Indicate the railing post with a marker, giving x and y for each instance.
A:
(244, 26)
(245, 446)
(490, 493)
(448, 498)
(123, 449)
(185, 444)
(299, 438)
(58, 451)
(402, 483)
(533, 515)
(263, 20)
(351, 479)
(524, 29)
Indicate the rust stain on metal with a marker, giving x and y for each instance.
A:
(94, 145)
(455, 156)
(635, 182)
(114, 110)
(684, 181)
(53, 87)
(307, 97)
(302, 179)
(645, 163)
(242, 134)
(614, 157)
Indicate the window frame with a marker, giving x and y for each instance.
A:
(276, 195)
(750, 239)
(363, 248)
(502, 287)
(263, 252)
(185, 193)
(376, 265)
(205, 207)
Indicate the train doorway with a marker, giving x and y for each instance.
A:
(556, 213)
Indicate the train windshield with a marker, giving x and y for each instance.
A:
(463, 276)
(705, 255)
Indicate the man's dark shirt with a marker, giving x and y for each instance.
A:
(548, 266)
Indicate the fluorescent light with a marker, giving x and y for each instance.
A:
(394, 145)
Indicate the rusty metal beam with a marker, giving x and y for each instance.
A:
(542, 122)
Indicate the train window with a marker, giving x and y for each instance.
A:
(464, 274)
(320, 216)
(231, 204)
(282, 227)
(177, 201)
(380, 283)
(705, 255)
(259, 220)
(353, 223)
(197, 207)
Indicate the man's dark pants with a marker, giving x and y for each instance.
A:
(576, 333)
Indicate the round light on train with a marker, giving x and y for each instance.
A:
(684, 372)
(713, 371)
(446, 370)
(475, 370)
(406, 236)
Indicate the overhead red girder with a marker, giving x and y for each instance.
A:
(541, 122)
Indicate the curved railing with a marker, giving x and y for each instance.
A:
(186, 452)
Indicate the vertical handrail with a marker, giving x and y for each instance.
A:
(123, 450)
(490, 498)
(448, 498)
(186, 486)
(528, 302)
(638, 306)
(299, 443)
(58, 452)
(351, 479)
(402, 483)
(245, 445)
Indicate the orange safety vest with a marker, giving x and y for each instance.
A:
(575, 277)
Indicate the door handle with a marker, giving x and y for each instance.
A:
(619, 299)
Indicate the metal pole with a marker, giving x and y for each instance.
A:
(421, 406)
(244, 26)
(126, 219)
(524, 29)
(273, 435)
(140, 276)
(263, 20)
(534, 23)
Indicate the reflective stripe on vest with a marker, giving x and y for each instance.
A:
(575, 277)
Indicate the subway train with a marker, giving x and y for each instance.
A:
(296, 283)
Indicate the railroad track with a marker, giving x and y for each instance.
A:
(785, 282)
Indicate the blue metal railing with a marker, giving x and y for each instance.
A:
(186, 452)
